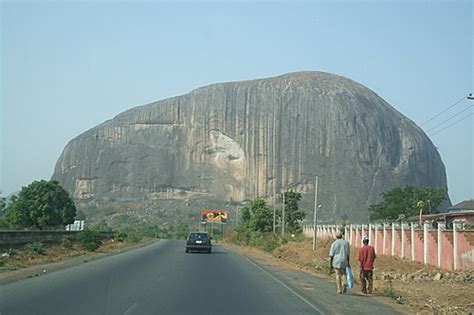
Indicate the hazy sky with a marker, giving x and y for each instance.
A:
(68, 66)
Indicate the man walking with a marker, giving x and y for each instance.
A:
(366, 258)
(339, 259)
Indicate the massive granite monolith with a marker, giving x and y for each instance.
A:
(240, 140)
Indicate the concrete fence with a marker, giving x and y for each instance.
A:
(451, 249)
(23, 237)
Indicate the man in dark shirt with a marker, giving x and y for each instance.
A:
(366, 258)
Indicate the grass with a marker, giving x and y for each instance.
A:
(389, 292)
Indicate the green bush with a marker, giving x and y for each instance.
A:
(65, 243)
(36, 248)
(325, 267)
(389, 292)
(134, 237)
(120, 236)
(90, 240)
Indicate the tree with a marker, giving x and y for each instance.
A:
(407, 202)
(41, 205)
(181, 231)
(257, 217)
(2, 204)
(292, 213)
(245, 215)
(81, 215)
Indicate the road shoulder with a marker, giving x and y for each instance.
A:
(39, 270)
(318, 288)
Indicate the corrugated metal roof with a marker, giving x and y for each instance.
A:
(465, 205)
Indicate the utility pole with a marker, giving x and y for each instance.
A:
(315, 211)
(274, 169)
(274, 213)
(283, 217)
(237, 216)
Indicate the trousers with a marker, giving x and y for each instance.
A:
(341, 280)
(366, 280)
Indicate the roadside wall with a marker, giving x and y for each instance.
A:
(448, 249)
(24, 237)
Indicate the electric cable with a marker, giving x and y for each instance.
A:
(448, 119)
(454, 123)
(444, 111)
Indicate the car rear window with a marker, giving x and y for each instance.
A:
(198, 236)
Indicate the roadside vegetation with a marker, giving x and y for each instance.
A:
(256, 224)
(400, 203)
(42, 205)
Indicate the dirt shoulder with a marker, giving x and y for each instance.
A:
(25, 264)
(317, 287)
(415, 287)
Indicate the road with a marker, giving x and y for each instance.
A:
(162, 279)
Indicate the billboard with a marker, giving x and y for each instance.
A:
(214, 216)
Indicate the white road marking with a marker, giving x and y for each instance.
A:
(286, 286)
(131, 308)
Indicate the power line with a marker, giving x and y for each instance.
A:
(454, 123)
(448, 119)
(444, 111)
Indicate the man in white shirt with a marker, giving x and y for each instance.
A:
(339, 254)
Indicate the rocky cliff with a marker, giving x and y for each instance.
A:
(240, 140)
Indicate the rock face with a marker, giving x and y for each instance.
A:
(241, 140)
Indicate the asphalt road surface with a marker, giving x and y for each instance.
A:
(162, 279)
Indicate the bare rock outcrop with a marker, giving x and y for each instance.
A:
(241, 140)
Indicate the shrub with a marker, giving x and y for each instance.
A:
(36, 248)
(134, 237)
(120, 236)
(90, 240)
(325, 267)
(11, 252)
(389, 292)
(65, 243)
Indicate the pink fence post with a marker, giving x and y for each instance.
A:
(376, 239)
(370, 231)
(439, 245)
(393, 239)
(425, 243)
(402, 231)
(357, 236)
(350, 235)
(384, 248)
(455, 245)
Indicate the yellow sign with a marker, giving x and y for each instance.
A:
(214, 216)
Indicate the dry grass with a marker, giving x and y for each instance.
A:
(23, 258)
